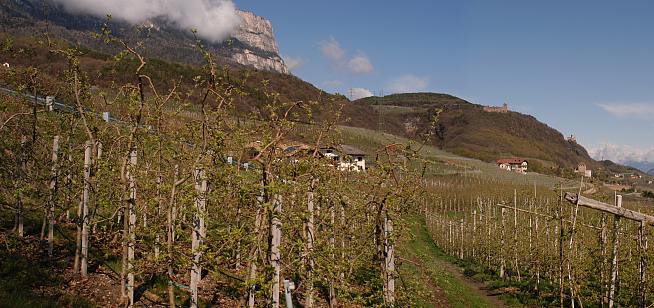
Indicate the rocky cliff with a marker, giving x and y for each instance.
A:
(252, 44)
(259, 48)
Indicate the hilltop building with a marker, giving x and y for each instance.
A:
(583, 170)
(494, 109)
(518, 165)
(572, 139)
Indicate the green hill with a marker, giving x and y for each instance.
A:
(466, 129)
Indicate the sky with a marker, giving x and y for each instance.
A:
(583, 67)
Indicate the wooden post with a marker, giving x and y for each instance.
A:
(131, 225)
(53, 194)
(275, 256)
(571, 253)
(614, 254)
(198, 234)
(85, 208)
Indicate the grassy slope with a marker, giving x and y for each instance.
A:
(442, 162)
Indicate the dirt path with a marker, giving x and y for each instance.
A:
(438, 282)
(476, 286)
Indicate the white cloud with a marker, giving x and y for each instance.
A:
(622, 153)
(332, 49)
(332, 83)
(360, 64)
(630, 110)
(214, 20)
(293, 62)
(358, 93)
(408, 83)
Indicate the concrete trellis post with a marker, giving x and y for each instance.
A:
(614, 254)
(474, 233)
(275, 256)
(22, 171)
(308, 301)
(49, 103)
(516, 266)
(131, 211)
(461, 237)
(84, 252)
(389, 261)
(253, 262)
(53, 193)
(332, 246)
(642, 266)
(502, 254)
(198, 233)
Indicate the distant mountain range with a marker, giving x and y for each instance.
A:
(641, 165)
(651, 172)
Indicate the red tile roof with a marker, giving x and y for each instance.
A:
(511, 161)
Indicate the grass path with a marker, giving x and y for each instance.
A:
(436, 282)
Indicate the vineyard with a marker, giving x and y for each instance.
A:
(181, 202)
(542, 245)
(180, 199)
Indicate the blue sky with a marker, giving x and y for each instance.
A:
(583, 67)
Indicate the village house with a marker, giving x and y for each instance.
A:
(343, 157)
(583, 170)
(518, 165)
(346, 157)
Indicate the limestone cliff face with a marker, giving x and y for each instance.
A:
(254, 44)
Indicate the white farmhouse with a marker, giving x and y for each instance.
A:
(346, 157)
(518, 165)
